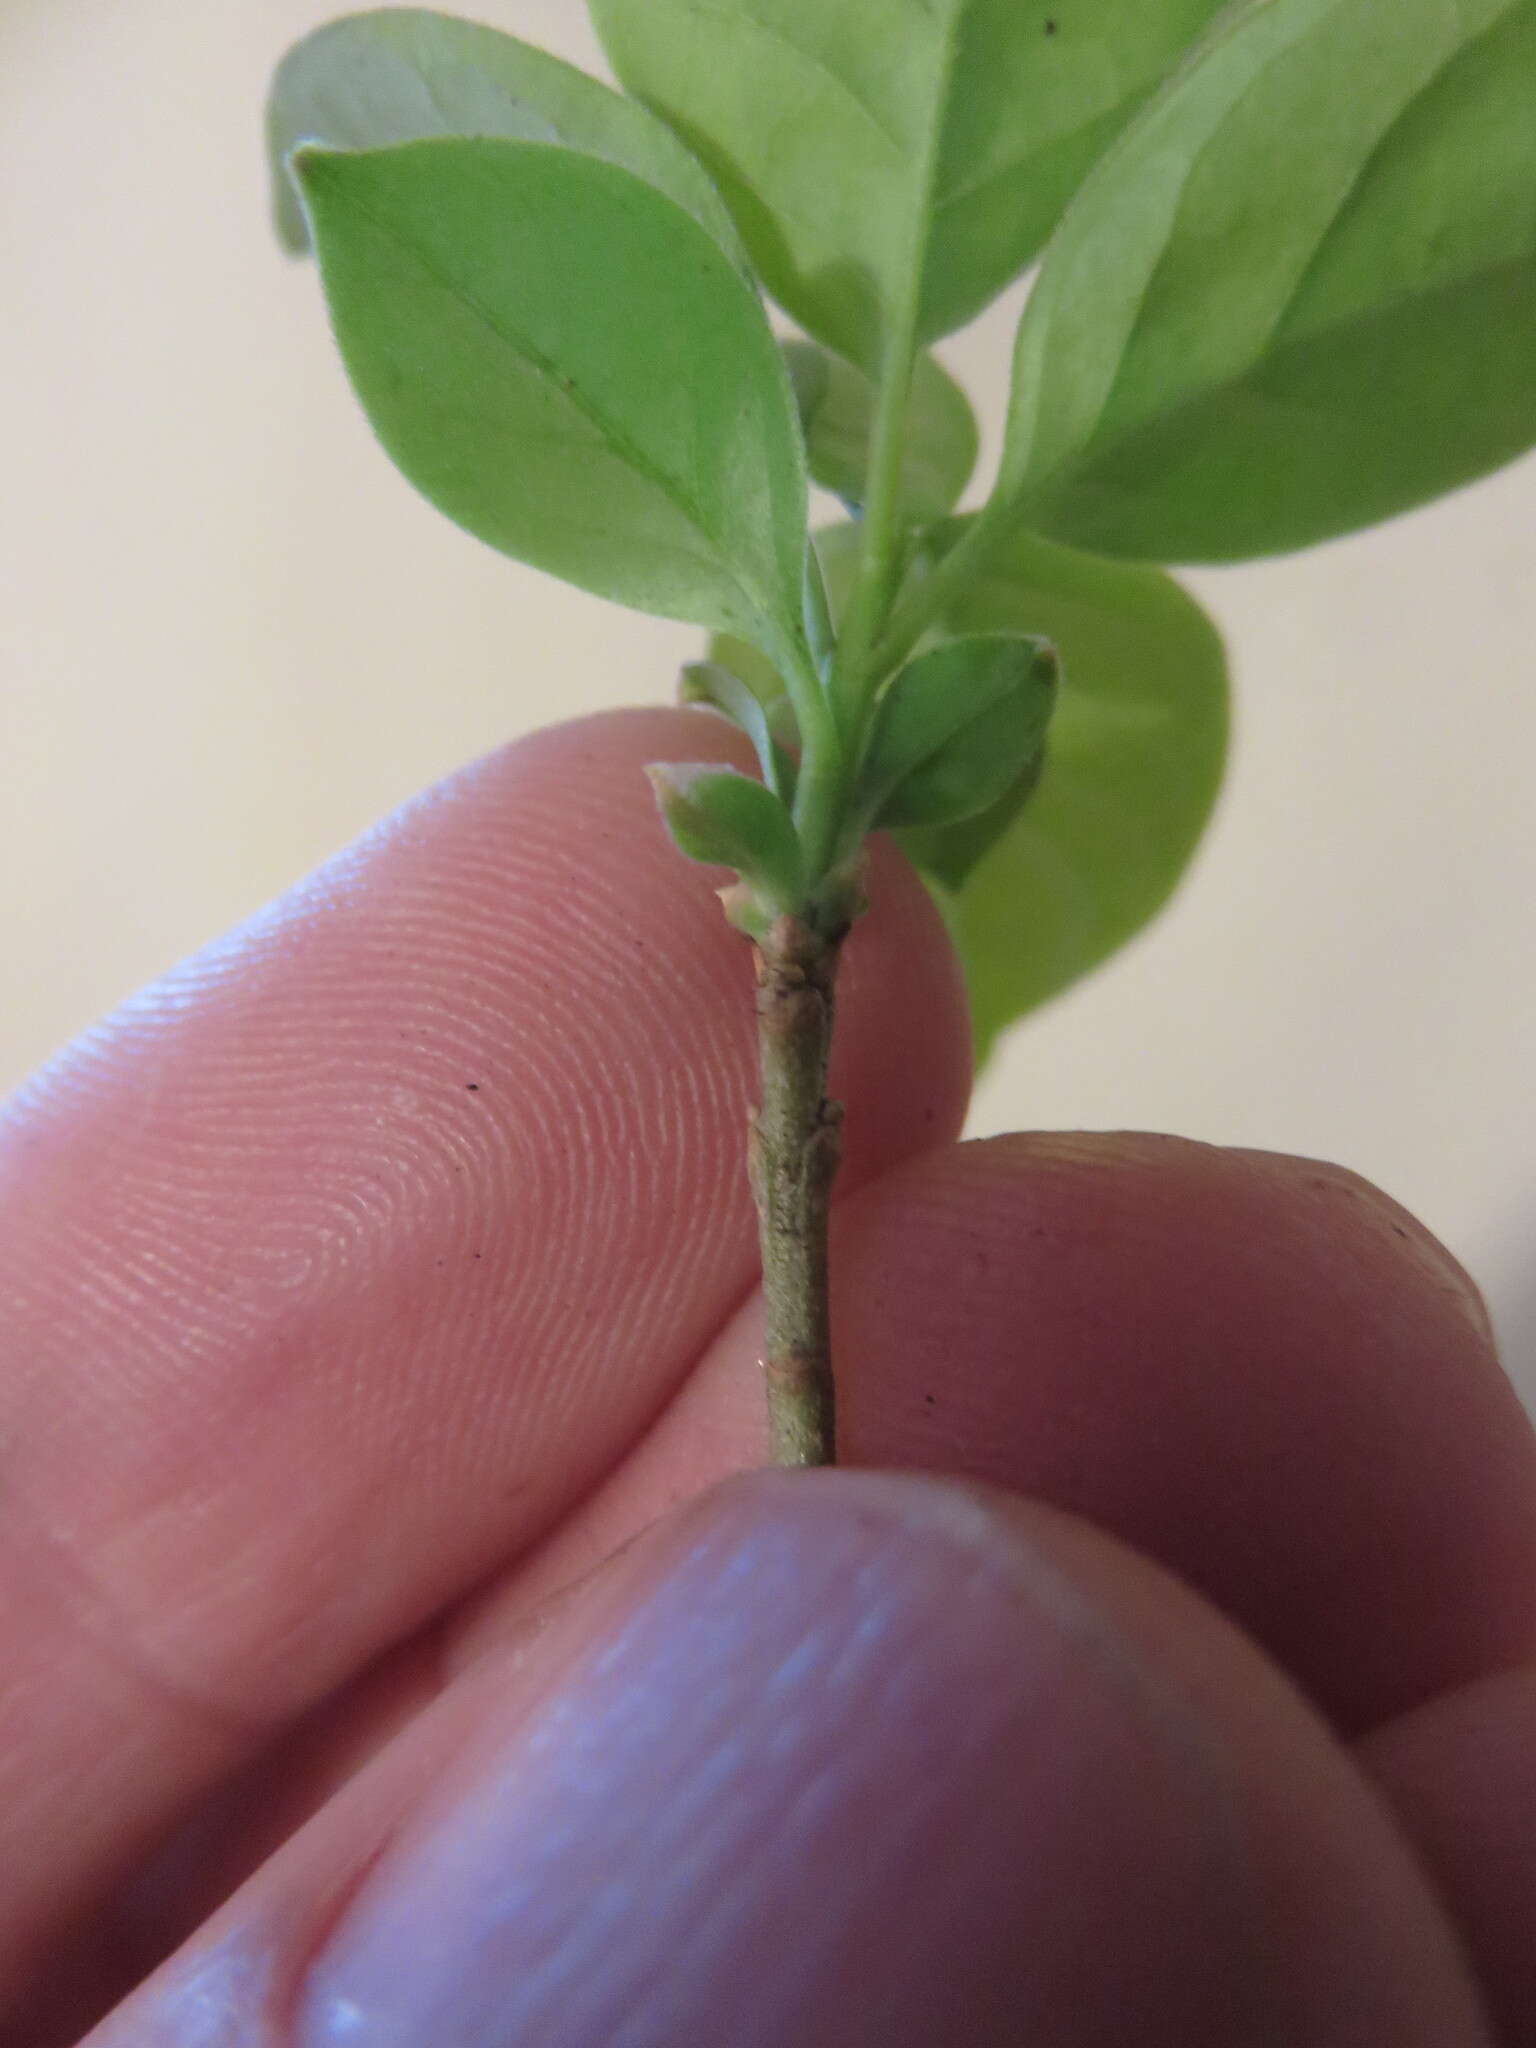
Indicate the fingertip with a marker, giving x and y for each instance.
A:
(338, 1266)
(835, 1682)
(902, 1058)
(869, 1759)
(1460, 1775)
(1257, 1369)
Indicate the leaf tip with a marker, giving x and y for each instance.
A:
(744, 912)
(682, 791)
(696, 687)
(670, 780)
(307, 162)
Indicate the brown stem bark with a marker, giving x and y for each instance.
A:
(793, 1152)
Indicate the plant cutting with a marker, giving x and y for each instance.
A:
(1286, 288)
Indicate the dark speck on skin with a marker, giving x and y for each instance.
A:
(928, 1401)
(473, 1087)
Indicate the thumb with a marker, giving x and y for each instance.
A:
(864, 1760)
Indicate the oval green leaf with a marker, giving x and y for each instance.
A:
(1131, 771)
(837, 417)
(404, 74)
(957, 729)
(947, 854)
(727, 820)
(868, 148)
(1298, 296)
(564, 362)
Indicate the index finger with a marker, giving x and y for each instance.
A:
(335, 1268)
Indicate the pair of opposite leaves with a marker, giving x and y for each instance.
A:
(1358, 166)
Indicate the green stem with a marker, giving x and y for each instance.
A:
(818, 612)
(819, 789)
(818, 808)
(792, 1157)
(818, 728)
(879, 563)
(929, 600)
(859, 667)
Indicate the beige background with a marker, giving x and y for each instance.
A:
(229, 637)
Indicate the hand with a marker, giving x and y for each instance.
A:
(375, 1295)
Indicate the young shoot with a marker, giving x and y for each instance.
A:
(1266, 312)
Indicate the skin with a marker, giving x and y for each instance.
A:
(391, 1657)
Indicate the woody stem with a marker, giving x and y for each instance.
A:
(793, 1157)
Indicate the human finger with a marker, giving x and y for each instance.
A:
(1460, 1775)
(845, 1759)
(1257, 1369)
(335, 1269)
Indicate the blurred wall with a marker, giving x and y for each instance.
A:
(230, 637)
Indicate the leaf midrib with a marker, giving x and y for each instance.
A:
(1263, 353)
(1318, 339)
(572, 394)
(925, 186)
(1349, 198)
(771, 32)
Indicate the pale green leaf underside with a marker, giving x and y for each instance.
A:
(566, 364)
(837, 415)
(728, 820)
(405, 74)
(1299, 295)
(859, 140)
(1132, 767)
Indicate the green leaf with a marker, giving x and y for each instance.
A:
(1132, 767)
(837, 417)
(710, 684)
(957, 729)
(1299, 295)
(404, 74)
(750, 665)
(566, 364)
(727, 820)
(810, 377)
(866, 144)
(948, 853)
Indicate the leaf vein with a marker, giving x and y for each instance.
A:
(773, 33)
(1351, 195)
(571, 394)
